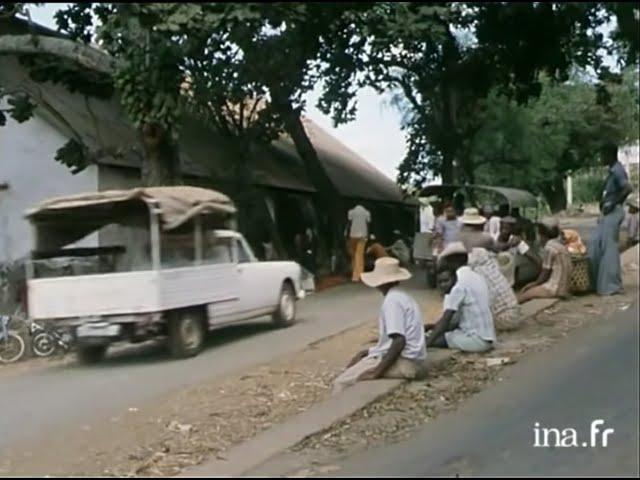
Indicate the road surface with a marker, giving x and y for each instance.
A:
(589, 376)
(38, 401)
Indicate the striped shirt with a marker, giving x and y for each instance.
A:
(470, 298)
(504, 304)
(557, 259)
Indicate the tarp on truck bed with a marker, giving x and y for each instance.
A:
(64, 220)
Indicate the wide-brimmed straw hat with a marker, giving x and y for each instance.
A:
(471, 216)
(386, 270)
(454, 248)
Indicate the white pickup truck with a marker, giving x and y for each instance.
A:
(182, 277)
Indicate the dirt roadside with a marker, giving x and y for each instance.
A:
(192, 425)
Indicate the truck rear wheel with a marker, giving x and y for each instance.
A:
(186, 333)
(285, 315)
(91, 354)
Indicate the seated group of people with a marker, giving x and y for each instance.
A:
(542, 276)
(478, 298)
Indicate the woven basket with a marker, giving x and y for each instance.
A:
(580, 282)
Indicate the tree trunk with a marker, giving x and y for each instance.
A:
(555, 194)
(161, 162)
(328, 201)
(446, 171)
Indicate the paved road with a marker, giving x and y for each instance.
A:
(43, 399)
(591, 375)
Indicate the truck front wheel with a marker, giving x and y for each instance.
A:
(285, 315)
(186, 333)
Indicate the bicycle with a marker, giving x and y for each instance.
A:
(11, 344)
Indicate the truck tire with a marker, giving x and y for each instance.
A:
(285, 315)
(91, 354)
(186, 333)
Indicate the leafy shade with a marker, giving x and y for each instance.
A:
(535, 146)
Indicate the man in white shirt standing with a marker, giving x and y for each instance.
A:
(359, 220)
(427, 218)
(467, 322)
(492, 227)
(400, 351)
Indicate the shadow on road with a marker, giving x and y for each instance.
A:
(156, 350)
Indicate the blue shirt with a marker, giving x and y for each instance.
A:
(615, 183)
(449, 229)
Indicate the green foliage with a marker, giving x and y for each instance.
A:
(74, 155)
(536, 145)
(489, 48)
(587, 186)
(19, 107)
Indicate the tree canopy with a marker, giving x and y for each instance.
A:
(536, 145)
(473, 79)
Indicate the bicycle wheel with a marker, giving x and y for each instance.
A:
(11, 348)
(43, 344)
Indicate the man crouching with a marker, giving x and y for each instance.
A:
(400, 351)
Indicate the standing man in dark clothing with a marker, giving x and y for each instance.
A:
(603, 249)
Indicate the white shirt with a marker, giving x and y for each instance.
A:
(470, 298)
(427, 219)
(520, 249)
(448, 229)
(401, 315)
(494, 227)
(359, 218)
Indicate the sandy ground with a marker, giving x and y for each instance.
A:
(195, 424)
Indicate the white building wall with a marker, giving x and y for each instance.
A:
(629, 155)
(28, 166)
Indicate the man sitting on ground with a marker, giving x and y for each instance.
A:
(400, 250)
(472, 233)
(376, 249)
(554, 279)
(400, 351)
(525, 265)
(631, 223)
(503, 301)
(467, 322)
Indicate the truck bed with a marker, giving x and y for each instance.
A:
(130, 292)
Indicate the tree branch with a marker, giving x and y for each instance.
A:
(83, 55)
